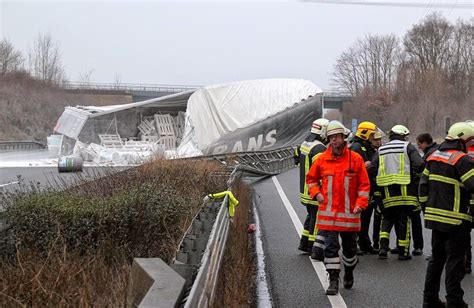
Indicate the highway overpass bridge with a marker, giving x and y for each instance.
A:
(142, 92)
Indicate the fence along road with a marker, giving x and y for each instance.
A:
(293, 279)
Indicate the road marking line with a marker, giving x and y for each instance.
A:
(336, 300)
(11, 183)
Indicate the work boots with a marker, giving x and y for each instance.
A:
(383, 253)
(303, 244)
(434, 304)
(348, 277)
(333, 288)
(309, 247)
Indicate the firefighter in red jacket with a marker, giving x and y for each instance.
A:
(338, 180)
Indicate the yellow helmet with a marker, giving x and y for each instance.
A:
(460, 131)
(365, 129)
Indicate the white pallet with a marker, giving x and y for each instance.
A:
(147, 128)
(164, 125)
(111, 141)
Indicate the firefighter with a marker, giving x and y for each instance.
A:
(445, 189)
(376, 198)
(426, 144)
(338, 180)
(396, 164)
(362, 144)
(307, 152)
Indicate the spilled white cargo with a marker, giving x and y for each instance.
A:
(235, 117)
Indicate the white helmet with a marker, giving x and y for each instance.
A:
(335, 127)
(460, 131)
(319, 127)
(399, 130)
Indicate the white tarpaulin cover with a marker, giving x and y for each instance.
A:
(217, 110)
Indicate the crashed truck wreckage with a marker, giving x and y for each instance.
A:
(235, 117)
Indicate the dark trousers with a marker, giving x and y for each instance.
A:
(377, 205)
(332, 247)
(309, 226)
(417, 229)
(363, 236)
(397, 216)
(448, 250)
(376, 228)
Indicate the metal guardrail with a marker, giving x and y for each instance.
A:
(20, 145)
(202, 291)
(128, 87)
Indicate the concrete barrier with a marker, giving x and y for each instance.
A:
(154, 284)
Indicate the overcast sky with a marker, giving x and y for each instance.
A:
(200, 43)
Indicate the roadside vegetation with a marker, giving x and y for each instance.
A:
(75, 247)
(417, 80)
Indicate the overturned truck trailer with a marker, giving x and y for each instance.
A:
(241, 116)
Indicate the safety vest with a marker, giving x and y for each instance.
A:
(394, 164)
(305, 163)
(450, 213)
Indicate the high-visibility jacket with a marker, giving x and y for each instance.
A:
(396, 165)
(445, 188)
(344, 185)
(308, 151)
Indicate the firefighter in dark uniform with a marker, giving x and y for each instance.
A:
(305, 155)
(445, 191)
(376, 200)
(397, 164)
(362, 144)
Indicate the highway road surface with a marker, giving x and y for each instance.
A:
(295, 281)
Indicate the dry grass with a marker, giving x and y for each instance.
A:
(237, 274)
(29, 108)
(74, 248)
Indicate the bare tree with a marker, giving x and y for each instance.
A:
(459, 70)
(368, 65)
(429, 43)
(117, 81)
(10, 59)
(85, 77)
(45, 60)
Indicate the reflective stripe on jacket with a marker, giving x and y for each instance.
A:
(308, 152)
(394, 164)
(344, 185)
(445, 189)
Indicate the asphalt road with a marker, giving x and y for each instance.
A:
(33, 168)
(293, 281)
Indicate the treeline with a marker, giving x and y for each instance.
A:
(42, 60)
(31, 97)
(416, 80)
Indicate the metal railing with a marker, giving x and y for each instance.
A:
(128, 87)
(20, 145)
(265, 163)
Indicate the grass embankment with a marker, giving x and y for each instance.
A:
(74, 248)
